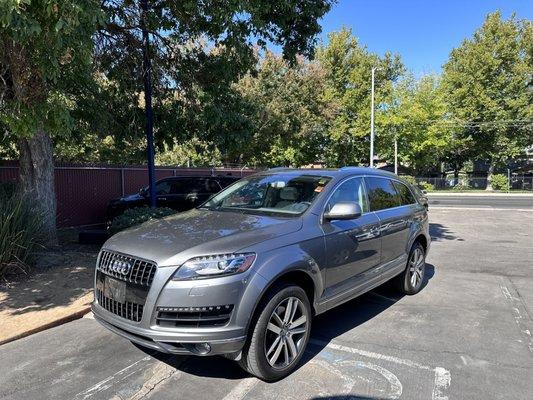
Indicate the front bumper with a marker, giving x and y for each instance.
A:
(173, 343)
(241, 291)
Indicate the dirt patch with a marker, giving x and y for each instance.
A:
(57, 289)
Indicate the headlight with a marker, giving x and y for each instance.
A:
(215, 265)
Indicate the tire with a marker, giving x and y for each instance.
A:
(406, 283)
(283, 341)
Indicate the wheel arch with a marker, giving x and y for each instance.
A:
(298, 276)
(421, 238)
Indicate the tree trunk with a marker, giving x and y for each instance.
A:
(489, 176)
(37, 178)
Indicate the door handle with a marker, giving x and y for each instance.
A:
(162, 198)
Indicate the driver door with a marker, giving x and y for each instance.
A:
(352, 246)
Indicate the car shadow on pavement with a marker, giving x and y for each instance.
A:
(332, 324)
(326, 327)
(205, 367)
(440, 232)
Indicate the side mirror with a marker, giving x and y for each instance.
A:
(143, 192)
(344, 210)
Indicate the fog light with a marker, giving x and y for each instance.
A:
(202, 348)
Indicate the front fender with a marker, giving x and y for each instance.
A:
(271, 266)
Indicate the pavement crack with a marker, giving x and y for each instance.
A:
(161, 373)
(519, 296)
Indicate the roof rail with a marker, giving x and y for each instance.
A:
(274, 168)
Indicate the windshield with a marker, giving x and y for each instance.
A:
(287, 194)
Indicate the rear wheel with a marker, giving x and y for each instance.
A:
(280, 334)
(411, 280)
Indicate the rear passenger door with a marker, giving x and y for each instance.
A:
(352, 246)
(394, 217)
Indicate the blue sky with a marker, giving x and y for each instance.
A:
(423, 32)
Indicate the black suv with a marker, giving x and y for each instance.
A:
(180, 193)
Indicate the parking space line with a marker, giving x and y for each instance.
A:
(371, 354)
(242, 389)
(442, 376)
(396, 388)
(442, 382)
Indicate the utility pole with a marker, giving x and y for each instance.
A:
(147, 76)
(396, 154)
(372, 121)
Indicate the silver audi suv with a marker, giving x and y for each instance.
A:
(244, 274)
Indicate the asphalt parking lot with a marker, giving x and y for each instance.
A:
(466, 335)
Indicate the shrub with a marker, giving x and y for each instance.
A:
(136, 216)
(428, 187)
(410, 179)
(21, 229)
(460, 187)
(499, 182)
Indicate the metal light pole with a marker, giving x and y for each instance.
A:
(147, 76)
(372, 121)
(396, 155)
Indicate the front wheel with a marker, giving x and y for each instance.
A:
(410, 281)
(280, 334)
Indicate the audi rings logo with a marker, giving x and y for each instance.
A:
(120, 267)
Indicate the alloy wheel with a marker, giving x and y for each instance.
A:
(285, 333)
(416, 267)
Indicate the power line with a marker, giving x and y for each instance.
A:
(481, 123)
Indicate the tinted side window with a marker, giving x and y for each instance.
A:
(351, 190)
(406, 197)
(213, 186)
(178, 186)
(198, 186)
(381, 193)
(162, 188)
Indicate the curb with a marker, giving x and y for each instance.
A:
(479, 194)
(60, 321)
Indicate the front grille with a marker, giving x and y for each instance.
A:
(194, 317)
(128, 309)
(140, 271)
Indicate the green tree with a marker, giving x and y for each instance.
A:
(51, 92)
(415, 114)
(288, 112)
(199, 50)
(191, 153)
(348, 68)
(45, 53)
(487, 80)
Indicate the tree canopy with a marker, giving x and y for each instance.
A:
(221, 97)
(71, 74)
(488, 88)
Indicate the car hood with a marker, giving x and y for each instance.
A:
(175, 239)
